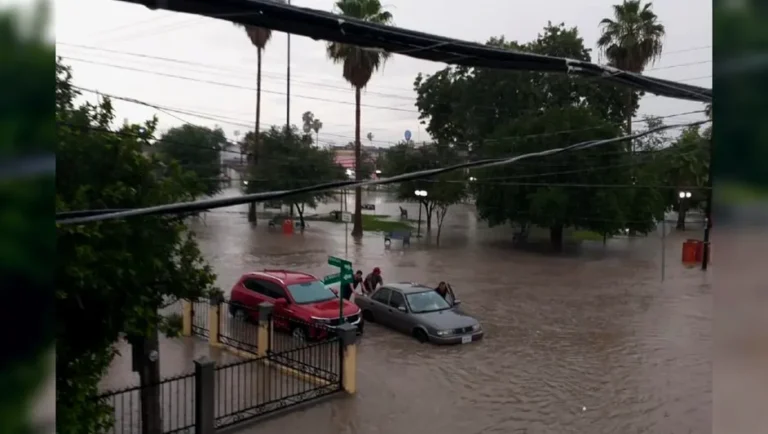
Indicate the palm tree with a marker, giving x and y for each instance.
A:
(631, 40)
(317, 125)
(370, 138)
(259, 37)
(359, 64)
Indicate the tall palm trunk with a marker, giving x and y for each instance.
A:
(257, 150)
(357, 223)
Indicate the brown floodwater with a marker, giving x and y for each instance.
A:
(590, 341)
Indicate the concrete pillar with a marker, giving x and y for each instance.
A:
(263, 338)
(205, 388)
(186, 318)
(348, 342)
(214, 322)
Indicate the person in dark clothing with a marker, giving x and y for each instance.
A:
(348, 289)
(446, 292)
(371, 281)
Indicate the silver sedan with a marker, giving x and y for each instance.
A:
(421, 312)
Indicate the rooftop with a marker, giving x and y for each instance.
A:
(288, 277)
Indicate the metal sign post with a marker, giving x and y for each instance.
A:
(663, 247)
(346, 218)
(343, 277)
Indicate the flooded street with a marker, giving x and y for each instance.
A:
(587, 342)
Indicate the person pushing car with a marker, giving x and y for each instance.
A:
(371, 281)
(348, 289)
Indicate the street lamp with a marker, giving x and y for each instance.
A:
(681, 210)
(419, 194)
(378, 172)
(472, 179)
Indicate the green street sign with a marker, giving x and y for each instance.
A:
(340, 263)
(331, 279)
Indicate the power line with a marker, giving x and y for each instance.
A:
(195, 206)
(244, 124)
(281, 76)
(235, 86)
(331, 27)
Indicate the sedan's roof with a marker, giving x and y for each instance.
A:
(409, 287)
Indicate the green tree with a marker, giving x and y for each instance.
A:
(27, 240)
(311, 123)
(197, 149)
(112, 277)
(290, 161)
(631, 40)
(686, 164)
(492, 113)
(442, 191)
(259, 37)
(359, 64)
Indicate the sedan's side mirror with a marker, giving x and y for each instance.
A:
(456, 302)
(281, 301)
(402, 309)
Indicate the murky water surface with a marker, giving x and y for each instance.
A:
(587, 342)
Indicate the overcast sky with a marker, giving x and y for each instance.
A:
(124, 49)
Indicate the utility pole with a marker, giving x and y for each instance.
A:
(146, 361)
(288, 85)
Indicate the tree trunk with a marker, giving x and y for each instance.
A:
(440, 219)
(300, 209)
(428, 211)
(556, 237)
(680, 226)
(252, 206)
(357, 221)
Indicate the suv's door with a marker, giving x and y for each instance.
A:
(400, 319)
(380, 305)
(282, 313)
(252, 296)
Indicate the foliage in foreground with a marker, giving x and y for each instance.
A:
(27, 243)
(112, 276)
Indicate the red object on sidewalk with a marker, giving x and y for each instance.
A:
(691, 249)
(287, 226)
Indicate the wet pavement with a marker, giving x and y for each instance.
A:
(587, 341)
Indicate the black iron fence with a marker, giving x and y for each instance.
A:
(169, 404)
(238, 326)
(200, 318)
(255, 387)
(312, 349)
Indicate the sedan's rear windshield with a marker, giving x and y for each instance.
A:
(310, 292)
(427, 301)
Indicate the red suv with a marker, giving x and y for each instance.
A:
(296, 296)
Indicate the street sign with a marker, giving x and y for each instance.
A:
(407, 135)
(332, 278)
(346, 217)
(333, 261)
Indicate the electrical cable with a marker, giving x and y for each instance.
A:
(276, 76)
(27, 166)
(215, 118)
(235, 86)
(194, 206)
(331, 27)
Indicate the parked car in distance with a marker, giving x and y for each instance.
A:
(421, 312)
(300, 301)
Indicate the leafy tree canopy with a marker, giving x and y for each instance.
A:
(198, 150)
(289, 161)
(112, 276)
(466, 105)
(442, 191)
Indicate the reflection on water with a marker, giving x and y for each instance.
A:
(587, 343)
